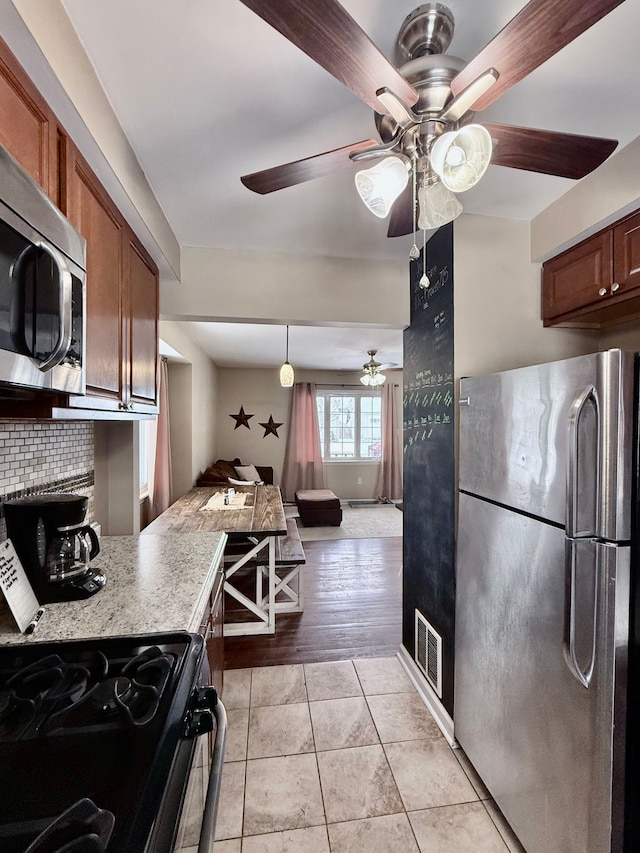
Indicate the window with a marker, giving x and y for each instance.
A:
(146, 453)
(350, 424)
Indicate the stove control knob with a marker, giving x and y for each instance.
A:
(205, 697)
(198, 723)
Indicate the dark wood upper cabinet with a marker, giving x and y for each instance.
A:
(28, 128)
(141, 276)
(122, 279)
(122, 299)
(626, 252)
(595, 284)
(95, 216)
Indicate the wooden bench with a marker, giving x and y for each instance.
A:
(289, 560)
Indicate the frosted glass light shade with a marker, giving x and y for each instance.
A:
(437, 206)
(286, 375)
(373, 379)
(460, 157)
(381, 185)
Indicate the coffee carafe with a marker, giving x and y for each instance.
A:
(70, 551)
(55, 545)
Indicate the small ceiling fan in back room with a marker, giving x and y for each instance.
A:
(371, 373)
(431, 146)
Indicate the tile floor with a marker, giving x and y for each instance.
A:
(343, 757)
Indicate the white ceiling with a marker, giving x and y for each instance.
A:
(206, 92)
(310, 347)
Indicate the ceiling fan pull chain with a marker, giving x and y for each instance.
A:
(424, 279)
(414, 251)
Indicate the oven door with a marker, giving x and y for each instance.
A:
(200, 808)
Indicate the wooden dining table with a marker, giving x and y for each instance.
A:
(254, 516)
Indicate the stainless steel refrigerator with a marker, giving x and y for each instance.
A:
(545, 599)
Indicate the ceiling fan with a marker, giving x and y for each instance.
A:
(431, 147)
(372, 370)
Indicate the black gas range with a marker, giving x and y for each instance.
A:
(97, 740)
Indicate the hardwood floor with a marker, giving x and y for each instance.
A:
(353, 608)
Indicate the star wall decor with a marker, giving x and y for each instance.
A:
(271, 427)
(242, 419)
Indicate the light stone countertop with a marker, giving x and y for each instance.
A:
(155, 583)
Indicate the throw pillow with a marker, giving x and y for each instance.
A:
(247, 472)
(233, 482)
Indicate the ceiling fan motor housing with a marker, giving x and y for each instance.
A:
(424, 36)
(428, 29)
(431, 77)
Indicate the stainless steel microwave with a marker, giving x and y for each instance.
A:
(42, 289)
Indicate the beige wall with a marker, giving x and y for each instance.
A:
(225, 285)
(607, 194)
(259, 392)
(193, 407)
(497, 301)
(625, 337)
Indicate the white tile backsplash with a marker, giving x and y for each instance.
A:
(46, 456)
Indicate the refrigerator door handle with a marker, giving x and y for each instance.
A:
(569, 628)
(575, 412)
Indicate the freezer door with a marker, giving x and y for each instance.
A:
(541, 631)
(554, 440)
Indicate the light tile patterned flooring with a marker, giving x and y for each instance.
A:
(344, 757)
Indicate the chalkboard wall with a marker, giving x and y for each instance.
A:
(429, 447)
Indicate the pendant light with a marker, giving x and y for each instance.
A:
(286, 371)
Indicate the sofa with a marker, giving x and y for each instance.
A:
(224, 470)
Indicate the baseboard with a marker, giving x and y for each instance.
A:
(428, 696)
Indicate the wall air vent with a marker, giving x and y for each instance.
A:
(428, 652)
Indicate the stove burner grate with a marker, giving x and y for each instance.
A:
(52, 696)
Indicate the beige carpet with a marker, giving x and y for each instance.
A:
(371, 522)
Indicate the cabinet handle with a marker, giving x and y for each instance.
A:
(615, 286)
(602, 291)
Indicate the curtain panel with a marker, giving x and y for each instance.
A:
(303, 458)
(389, 485)
(162, 475)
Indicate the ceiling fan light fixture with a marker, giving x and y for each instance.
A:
(437, 205)
(287, 374)
(373, 379)
(381, 185)
(460, 157)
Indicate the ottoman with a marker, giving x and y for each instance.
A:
(317, 507)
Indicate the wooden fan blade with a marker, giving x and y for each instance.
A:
(300, 171)
(326, 32)
(401, 218)
(564, 154)
(540, 29)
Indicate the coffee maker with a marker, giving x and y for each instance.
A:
(54, 545)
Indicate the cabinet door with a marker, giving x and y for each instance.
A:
(142, 350)
(626, 253)
(28, 128)
(93, 213)
(575, 278)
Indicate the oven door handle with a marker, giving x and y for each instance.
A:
(208, 828)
